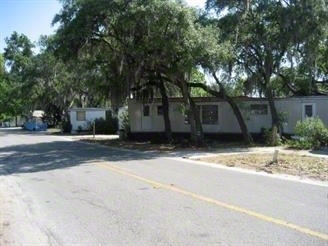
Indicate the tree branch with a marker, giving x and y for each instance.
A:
(206, 88)
(287, 84)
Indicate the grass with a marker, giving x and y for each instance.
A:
(291, 163)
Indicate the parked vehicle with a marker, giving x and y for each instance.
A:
(35, 122)
(35, 125)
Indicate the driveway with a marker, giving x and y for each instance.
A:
(55, 191)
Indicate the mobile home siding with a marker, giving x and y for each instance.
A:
(292, 108)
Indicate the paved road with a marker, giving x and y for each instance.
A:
(59, 192)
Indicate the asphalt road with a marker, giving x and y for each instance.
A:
(59, 192)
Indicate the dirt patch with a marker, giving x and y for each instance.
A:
(291, 163)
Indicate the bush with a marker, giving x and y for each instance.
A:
(124, 128)
(108, 126)
(66, 126)
(125, 122)
(271, 137)
(312, 134)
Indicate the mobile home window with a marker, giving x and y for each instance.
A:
(308, 110)
(210, 114)
(259, 109)
(160, 110)
(80, 116)
(146, 110)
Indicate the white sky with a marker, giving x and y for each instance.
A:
(196, 3)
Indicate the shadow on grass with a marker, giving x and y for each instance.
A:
(60, 154)
(177, 149)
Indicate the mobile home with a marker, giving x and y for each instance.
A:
(217, 116)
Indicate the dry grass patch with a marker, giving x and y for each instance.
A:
(293, 164)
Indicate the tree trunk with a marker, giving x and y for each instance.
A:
(223, 95)
(165, 104)
(273, 109)
(115, 96)
(242, 125)
(268, 69)
(199, 138)
(276, 129)
(195, 137)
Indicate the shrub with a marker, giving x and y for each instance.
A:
(66, 126)
(108, 126)
(312, 134)
(124, 127)
(271, 137)
(125, 122)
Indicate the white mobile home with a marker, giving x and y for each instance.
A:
(81, 118)
(217, 116)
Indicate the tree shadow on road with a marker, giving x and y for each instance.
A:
(47, 156)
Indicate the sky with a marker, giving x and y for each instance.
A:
(33, 17)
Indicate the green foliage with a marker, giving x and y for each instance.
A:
(105, 126)
(18, 52)
(197, 77)
(270, 38)
(272, 137)
(125, 125)
(2, 67)
(66, 126)
(312, 133)
(124, 128)
(17, 58)
(107, 46)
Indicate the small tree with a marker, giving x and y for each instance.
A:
(125, 124)
(312, 134)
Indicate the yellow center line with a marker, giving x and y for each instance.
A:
(218, 203)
